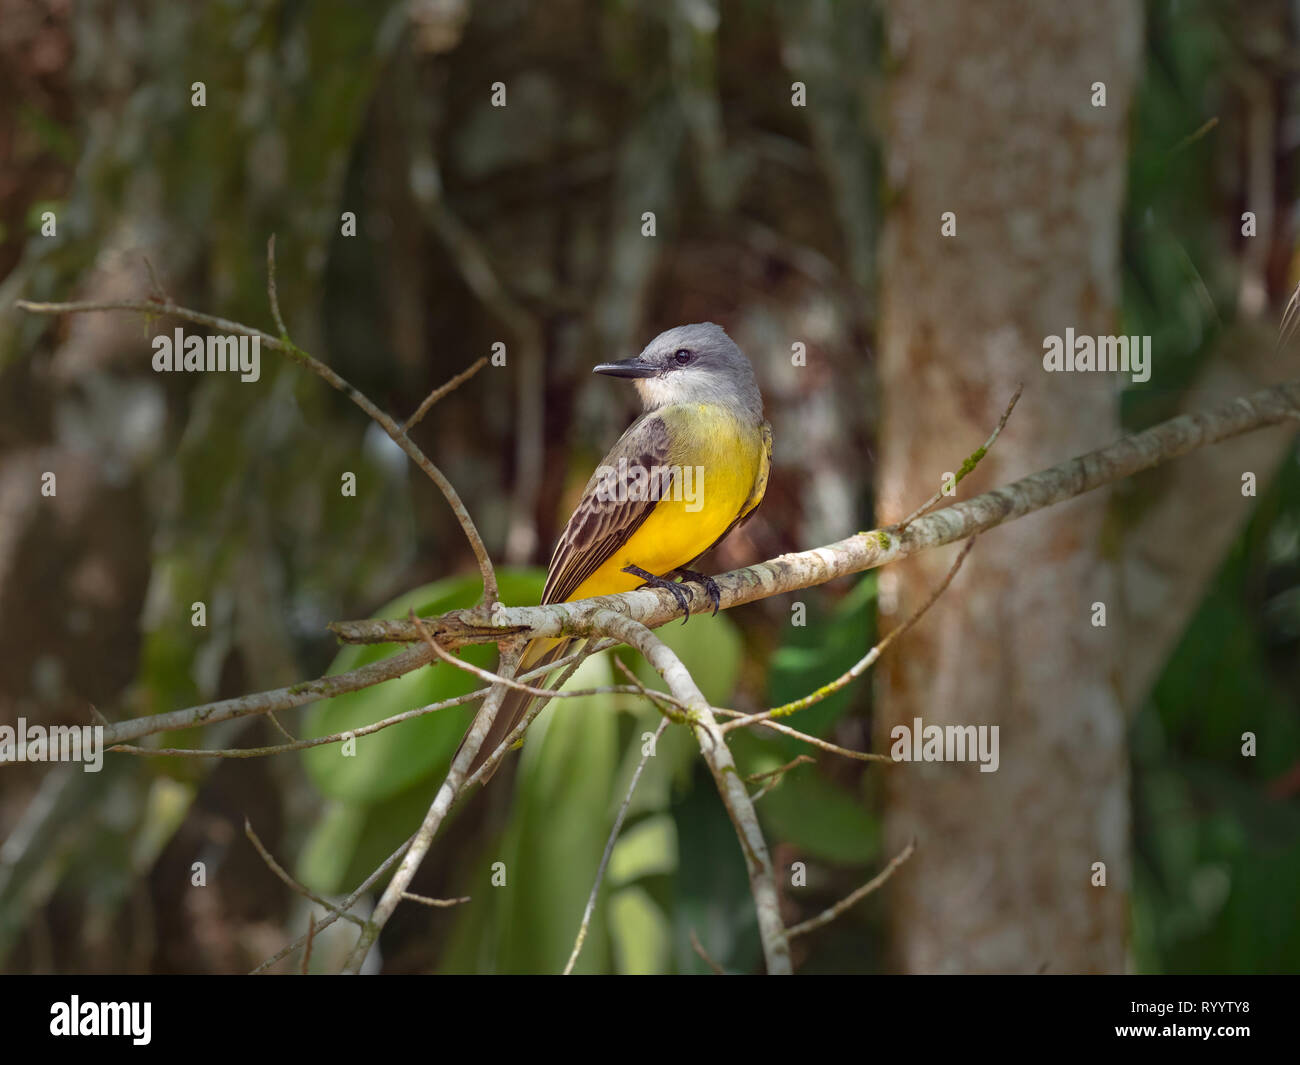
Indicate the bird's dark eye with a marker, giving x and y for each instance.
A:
(681, 356)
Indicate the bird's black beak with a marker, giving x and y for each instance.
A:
(628, 368)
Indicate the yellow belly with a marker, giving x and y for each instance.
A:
(725, 457)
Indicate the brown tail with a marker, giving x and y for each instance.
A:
(516, 703)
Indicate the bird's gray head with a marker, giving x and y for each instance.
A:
(692, 364)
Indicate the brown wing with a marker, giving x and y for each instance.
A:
(600, 525)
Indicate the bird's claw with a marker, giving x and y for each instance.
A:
(710, 586)
(651, 581)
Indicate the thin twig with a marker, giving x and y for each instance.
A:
(310, 691)
(496, 678)
(1194, 136)
(828, 915)
(535, 708)
(866, 662)
(698, 947)
(442, 802)
(306, 892)
(306, 950)
(345, 905)
(969, 465)
(609, 849)
(424, 900)
(777, 775)
(280, 728)
(735, 797)
(661, 700)
(155, 286)
(270, 289)
(441, 391)
(825, 745)
(360, 730)
(780, 770)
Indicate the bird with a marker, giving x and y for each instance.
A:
(688, 471)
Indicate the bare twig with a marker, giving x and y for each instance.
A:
(864, 663)
(496, 678)
(672, 708)
(828, 915)
(825, 745)
(609, 849)
(424, 900)
(271, 293)
(969, 465)
(441, 391)
(155, 286)
(698, 947)
(437, 811)
(279, 871)
(535, 708)
(1290, 319)
(344, 906)
(276, 699)
(280, 728)
(306, 950)
(1194, 136)
(735, 797)
(777, 775)
(869, 550)
(360, 730)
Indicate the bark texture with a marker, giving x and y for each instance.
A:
(991, 117)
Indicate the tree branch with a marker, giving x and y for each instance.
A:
(653, 607)
(762, 878)
(1279, 404)
(829, 914)
(864, 663)
(609, 849)
(437, 811)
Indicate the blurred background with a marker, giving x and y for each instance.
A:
(798, 159)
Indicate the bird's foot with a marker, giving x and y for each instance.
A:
(651, 581)
(710, 586)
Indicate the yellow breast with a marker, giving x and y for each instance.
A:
(718, 463)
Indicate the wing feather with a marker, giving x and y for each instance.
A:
(600, 526)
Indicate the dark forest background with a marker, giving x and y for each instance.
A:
(523, 225)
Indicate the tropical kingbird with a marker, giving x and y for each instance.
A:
(690, 469)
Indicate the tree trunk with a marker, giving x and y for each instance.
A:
(991, 116)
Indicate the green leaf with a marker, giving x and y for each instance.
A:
(820, 819)
(557, 832)
(325, 856)
(817, 653)
(712, 887)
(641, 933)
(645, 849)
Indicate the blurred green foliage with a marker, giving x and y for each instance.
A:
(1216, 833)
